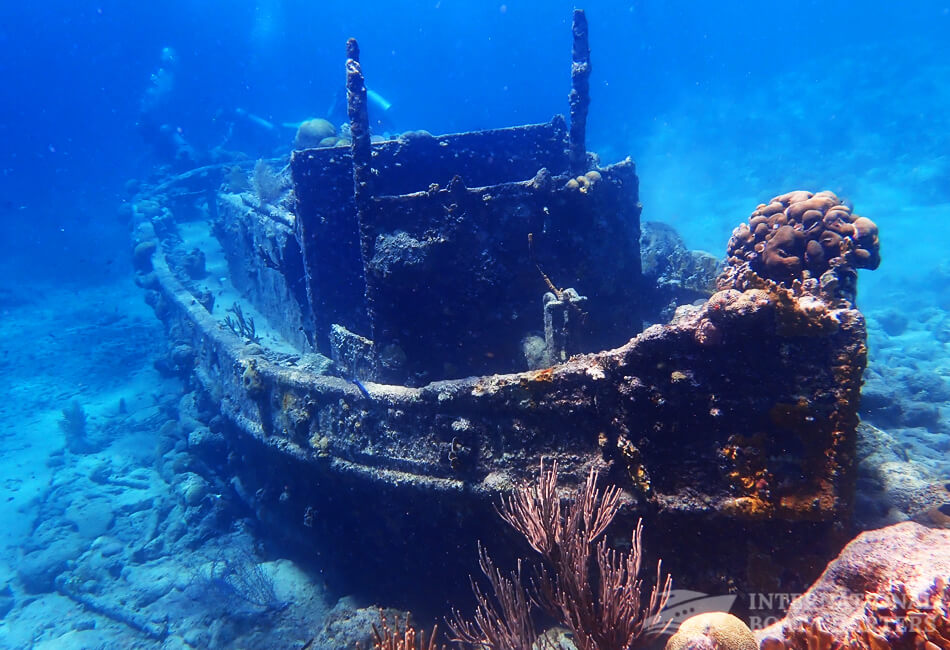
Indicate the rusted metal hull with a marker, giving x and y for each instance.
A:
(720, 423)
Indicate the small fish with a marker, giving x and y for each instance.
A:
(362, 388)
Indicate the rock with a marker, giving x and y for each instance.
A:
(920, 414)
(346, 624)
(189, 263)
(905, 554)
(7, 600)
(168, 436)
(193, 263)
(176, 642)
(142, 256)
(38, 570)
(292, 584)
(535, 352)
(208, 443)
(180, 462)
(90, 517)
(182, 355)
(196, 638)
(175, 531)
(189, 414)
(893, 322)
(892, 486)
(193, 489)
(148, 583)
(718, 630)
(879, 404)
(39, 620)
(942, 330)
(928, 386)
(151, 550)
(673, 274)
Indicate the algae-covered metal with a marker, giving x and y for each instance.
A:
(436, 255)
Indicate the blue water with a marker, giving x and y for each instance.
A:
(722, 106)
(739, 100)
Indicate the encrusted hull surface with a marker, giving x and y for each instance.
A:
(740, 416)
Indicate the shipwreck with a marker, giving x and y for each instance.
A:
(406, 332)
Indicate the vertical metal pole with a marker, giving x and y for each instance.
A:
(362, 170)
(580, 93)
(359, 126)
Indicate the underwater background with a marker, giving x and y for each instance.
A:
(722, 106)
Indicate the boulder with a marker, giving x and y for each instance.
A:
(906, 557)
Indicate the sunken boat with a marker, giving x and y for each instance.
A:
(391, 340)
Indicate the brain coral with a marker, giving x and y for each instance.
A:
(801, 236)
(713, 630)
(312, 132)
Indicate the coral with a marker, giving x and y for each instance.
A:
(807, 635)
(73, 426)
(251, 379)
(812, 242)
(893, 620)
(713, 629)
(394, 638)
(313, 133)
(584, 183)
(242, 326)
(239, 579)
(606, 613)
(267, 183)
(750, 475)
(142, 256)
(347, 625)
(801, 316)
(505, 624)
(896, 619)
